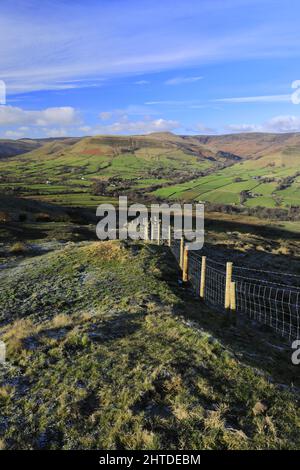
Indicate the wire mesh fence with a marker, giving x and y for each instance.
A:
(273, 305)
(268, 297)
(258, 295)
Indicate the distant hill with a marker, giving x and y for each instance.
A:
(11, 148)
(251, 145)
(254, 169)
(228, 146)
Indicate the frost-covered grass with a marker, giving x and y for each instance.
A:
(106, 351)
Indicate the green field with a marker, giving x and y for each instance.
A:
(66, 176)
(160, 166)
(222, 187)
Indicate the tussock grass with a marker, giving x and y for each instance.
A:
(18, 248)
(5, 393)
(61, 320)
(2, 444)
(15, 335)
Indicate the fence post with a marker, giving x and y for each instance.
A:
(185, 270)
(228, 284)
(2, 352)
(158, 232)
(203, 276)
(232, 297)
(152, 229)
(170, 236)
(181, 252)
(146, 231)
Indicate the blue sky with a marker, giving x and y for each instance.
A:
(74, 67)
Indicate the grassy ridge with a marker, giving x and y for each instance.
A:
(110, 353)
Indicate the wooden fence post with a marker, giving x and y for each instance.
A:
(228, 284)
(203, 276)
(2, 352)
(158, 232)
(152, 229)
(232, 297)
(146, 231)
(181, 252)
(170, 236)
(185, 270)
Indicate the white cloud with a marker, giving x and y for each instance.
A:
(85, 129)
(11, 134)
(244, 128)
(142, 82)
(284, 124)
(200, 127)
(60, 132)
(256, 99)
(64, 116)
(131, 110)
(126, 126)
(182, 80)
(277, 124)
(106, 115)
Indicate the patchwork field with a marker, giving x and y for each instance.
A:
(225, 187)
(64, 172)
(241, 170)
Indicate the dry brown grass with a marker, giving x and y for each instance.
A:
(5, 393)
(109, 250)
(61, 320)
(85, 317)
(17, 332)
(18, 248)
(2, 444)
(180, 412)
(215, 418)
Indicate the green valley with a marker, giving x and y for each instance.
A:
(239, 170)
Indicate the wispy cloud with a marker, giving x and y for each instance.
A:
(142, 82)
(256, 99)
(49, 42)
(173, 103)
(200, 127)
(130, 110)
(144, 126)
(182, 80)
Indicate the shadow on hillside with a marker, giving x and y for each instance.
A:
(123, 325)
(265, 231)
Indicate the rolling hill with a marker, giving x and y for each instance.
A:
(254, 169)
(251, 145)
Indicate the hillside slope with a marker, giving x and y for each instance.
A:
(11, 148)
(249, 169)
(252, 144)
(111, 354)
